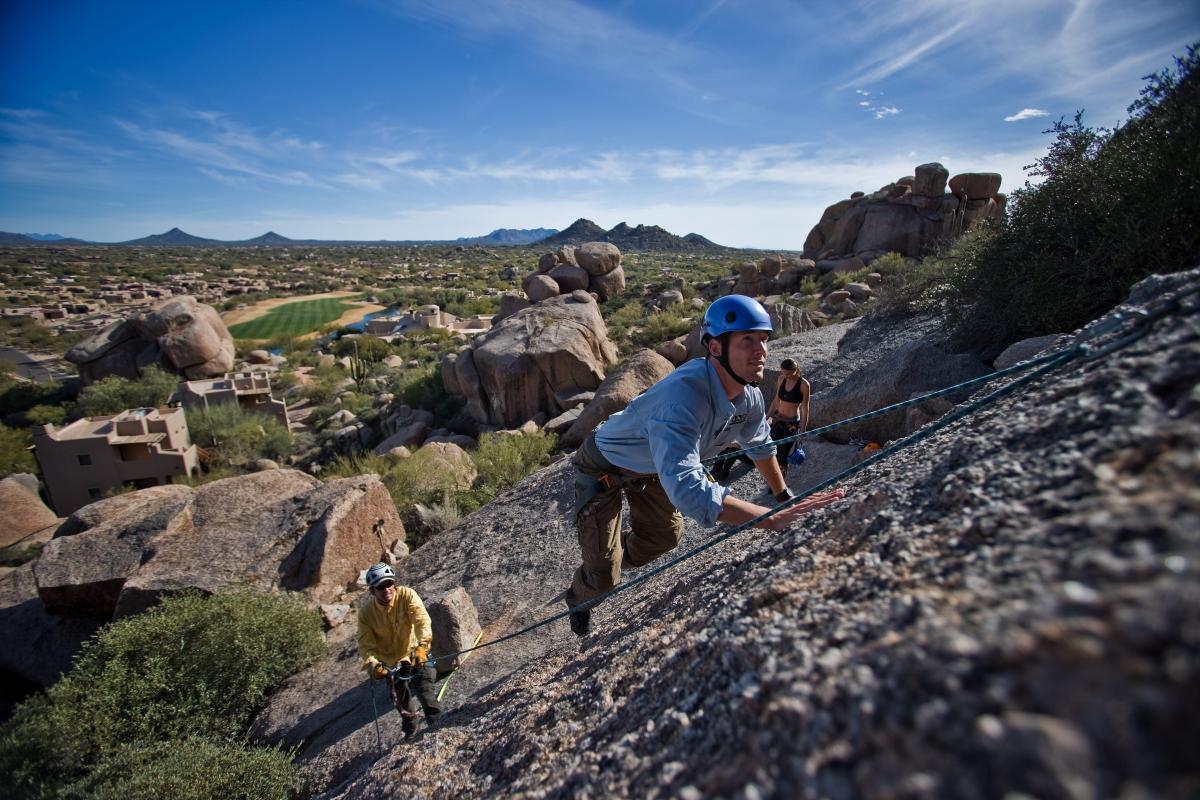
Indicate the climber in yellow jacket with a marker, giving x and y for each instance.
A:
(394, 629)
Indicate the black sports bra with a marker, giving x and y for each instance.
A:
(796, 394)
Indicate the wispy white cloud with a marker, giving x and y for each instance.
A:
(558, 30)
(223, 150)
(885, 111)
(1026, 113)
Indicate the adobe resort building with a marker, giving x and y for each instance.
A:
(82, 461)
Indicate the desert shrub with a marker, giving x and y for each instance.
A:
(503, 460)
(14, 451)
(43, 413)
(423, 388)
(368, 348)
(1114, 206)
(325, 383)
(114, 394)
(233, 435)
(197, 769)
(658, 328)
(192, 667)
(18, 397)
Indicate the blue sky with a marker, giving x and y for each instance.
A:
(408, 120)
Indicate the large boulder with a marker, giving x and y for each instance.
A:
(280, 529)
(522, 362)
(641, 371)
(610, 284)
(540, 287)
(470, 384)
(976, 185)
(930, 180)
(448, 374)
(569, 278)
(912, 369)
(896, 227)
(510, 303)
(179, 334)
(455, 626)
(82, 573)
(23, 511)
(598, 258)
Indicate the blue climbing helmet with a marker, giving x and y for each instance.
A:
(735, 312)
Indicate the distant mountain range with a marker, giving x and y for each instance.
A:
(643, 237)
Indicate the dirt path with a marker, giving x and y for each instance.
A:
(257, 310)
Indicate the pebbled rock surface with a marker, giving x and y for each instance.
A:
(1011, 607)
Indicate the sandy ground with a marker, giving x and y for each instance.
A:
(259, 309)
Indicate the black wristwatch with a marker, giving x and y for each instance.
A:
(785, 495)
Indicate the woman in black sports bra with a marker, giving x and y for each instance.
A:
(788, 411)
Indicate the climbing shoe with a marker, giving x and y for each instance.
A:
(581, 622)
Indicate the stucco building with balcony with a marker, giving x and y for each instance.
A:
(81, 462)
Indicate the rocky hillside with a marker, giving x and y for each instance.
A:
(1011, 606)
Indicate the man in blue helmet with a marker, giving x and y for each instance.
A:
(651, 452)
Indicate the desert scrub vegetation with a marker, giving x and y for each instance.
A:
(1113, 206)
(14, 451)
(233, 436)
(186, 678)
(501, 461)
(114, 394)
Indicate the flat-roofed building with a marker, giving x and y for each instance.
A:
(81, 462)
(250, 390)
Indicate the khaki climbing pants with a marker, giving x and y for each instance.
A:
(656, 526)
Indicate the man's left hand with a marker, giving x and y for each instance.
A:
(422, 655)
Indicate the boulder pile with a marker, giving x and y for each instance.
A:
(593, 267)
(904, 217)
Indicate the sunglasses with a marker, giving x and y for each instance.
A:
(383, 587)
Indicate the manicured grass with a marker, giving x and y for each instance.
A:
(292, 319)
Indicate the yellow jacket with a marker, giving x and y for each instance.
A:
(389, 634)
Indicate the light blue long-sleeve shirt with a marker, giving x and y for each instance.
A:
(677, 422)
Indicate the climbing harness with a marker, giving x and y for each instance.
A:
(1139, 323)
(400, 675)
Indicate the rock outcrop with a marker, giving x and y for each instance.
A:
(593, 267)
(517, 369)
(904, 217)
(178, 334)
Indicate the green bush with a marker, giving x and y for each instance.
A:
(368, 348)
(14, 451)
(192, 667)
(1114, 207)
(196, 769)
(503, 460)
(234, 436)
(113, 394)
(658, 328)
